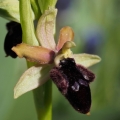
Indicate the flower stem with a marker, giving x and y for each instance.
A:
(36, 8)
(43, 94)
(43, 101)
(26, 20)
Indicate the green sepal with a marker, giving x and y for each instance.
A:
(86, 60)
(31, 79)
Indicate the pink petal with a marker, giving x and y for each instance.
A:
(36, 54)
(66, 34)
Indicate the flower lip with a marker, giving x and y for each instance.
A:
(70, 80)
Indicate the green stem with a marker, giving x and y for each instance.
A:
(43, 101)
(26, 20)
(45, 4)
(43, 94)
(36, 8)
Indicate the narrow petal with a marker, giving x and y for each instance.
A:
(86, 60)
(45, 29)
(31, 79)
(66, 34)
(36, 54)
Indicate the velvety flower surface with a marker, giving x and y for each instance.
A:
(73, 82)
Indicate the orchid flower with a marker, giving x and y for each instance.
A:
(50, 61)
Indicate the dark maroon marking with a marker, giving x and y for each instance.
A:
(73, 82)
(13, 37)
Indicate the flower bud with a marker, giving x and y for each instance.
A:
(13, 37)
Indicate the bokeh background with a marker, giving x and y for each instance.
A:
(96, 24)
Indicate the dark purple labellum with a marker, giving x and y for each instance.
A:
(13, 37)
(73, 82)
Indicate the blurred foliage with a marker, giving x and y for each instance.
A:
(96, 24)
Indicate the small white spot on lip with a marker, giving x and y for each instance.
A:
(82, 82)
(63, 61)
(86, 77)
(60, 66)
(75, 87)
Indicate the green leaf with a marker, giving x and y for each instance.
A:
(31, 79)
(9, 9)
(45, 29)
(86, 60)
(45, 4)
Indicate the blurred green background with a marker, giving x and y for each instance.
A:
(96, 24)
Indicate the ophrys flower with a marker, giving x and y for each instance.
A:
(67, 70)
